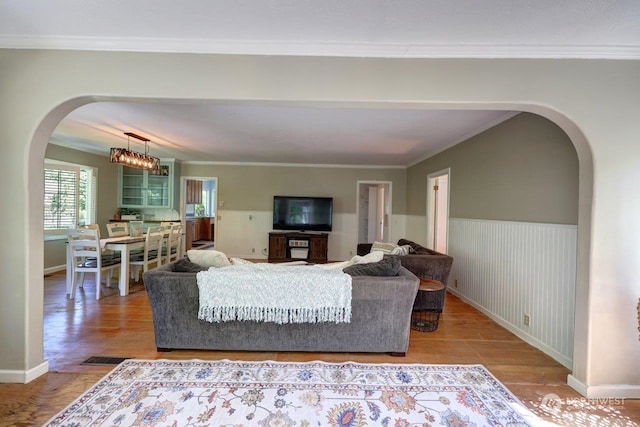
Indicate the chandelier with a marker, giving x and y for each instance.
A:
(134, 159)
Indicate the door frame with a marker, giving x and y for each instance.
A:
(388, 205)
(183, 202)
(432, 205)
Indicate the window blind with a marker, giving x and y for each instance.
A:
(60, 196)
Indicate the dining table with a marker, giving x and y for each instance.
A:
(124, 245)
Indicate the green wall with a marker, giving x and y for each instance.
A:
(524, 169)
(251, 188)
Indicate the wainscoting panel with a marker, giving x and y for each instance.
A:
(243, 234)
(510, 270)
(240, 233)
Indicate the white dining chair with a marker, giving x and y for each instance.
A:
(105, 252)
(171, 250)
(167, 224)
(118, 229)
(87, 257)
(152, 253)
(121, 229)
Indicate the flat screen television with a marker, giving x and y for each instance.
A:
(302, 213)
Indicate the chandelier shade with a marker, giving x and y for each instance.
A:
(134, 159)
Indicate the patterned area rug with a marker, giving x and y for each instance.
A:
(231, 393)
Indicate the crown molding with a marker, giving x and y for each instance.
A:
(314, 48)
(291, 165)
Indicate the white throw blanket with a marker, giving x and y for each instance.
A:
(272, 293)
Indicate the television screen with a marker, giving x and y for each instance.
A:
(302, 213)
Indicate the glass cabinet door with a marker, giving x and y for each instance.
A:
(140, 188)
(132, 191)
(158, 187)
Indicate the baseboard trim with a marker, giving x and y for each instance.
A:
(23, 377)
(607, 391)
(55, 269)
(577, 385)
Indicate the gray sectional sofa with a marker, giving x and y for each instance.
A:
(380, 319)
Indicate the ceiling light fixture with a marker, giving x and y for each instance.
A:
(125, 156)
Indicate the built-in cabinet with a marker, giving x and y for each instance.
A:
(194, 192)
(203, 229)
(198, 229)
(292, 246)
(189, 232)
(142, 189)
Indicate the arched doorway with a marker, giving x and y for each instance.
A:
(156, 77)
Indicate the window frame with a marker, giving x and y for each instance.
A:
(90, 193)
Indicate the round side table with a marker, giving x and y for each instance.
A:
(428, 305)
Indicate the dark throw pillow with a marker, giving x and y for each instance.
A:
(185, 266)
(388, 266)
(417, 248)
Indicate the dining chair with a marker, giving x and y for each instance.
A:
(152, 253)
(118, 229)
(87, 257)
(166, 225)
(93, 227)
(121, 229)
(105, 252)
(172, 248)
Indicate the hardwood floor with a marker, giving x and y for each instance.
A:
(122, 326)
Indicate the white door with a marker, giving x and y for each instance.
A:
(438, 210)
(372, 217)
(381, 228)
(373, 211)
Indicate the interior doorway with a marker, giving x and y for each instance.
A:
(373, 211)
(198, 203)
(438, 210)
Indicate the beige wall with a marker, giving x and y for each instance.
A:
(251, 188)
(55, 255)
(524, 169)
(247, 189)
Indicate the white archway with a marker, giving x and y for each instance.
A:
(47, 126)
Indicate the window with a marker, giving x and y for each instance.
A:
(69, 196)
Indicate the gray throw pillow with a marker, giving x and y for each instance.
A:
(388, 266)
(416, 248)
(185, 266)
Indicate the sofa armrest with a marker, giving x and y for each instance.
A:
(435, 267)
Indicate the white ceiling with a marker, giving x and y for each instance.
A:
(312, 134)
(273, 134)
